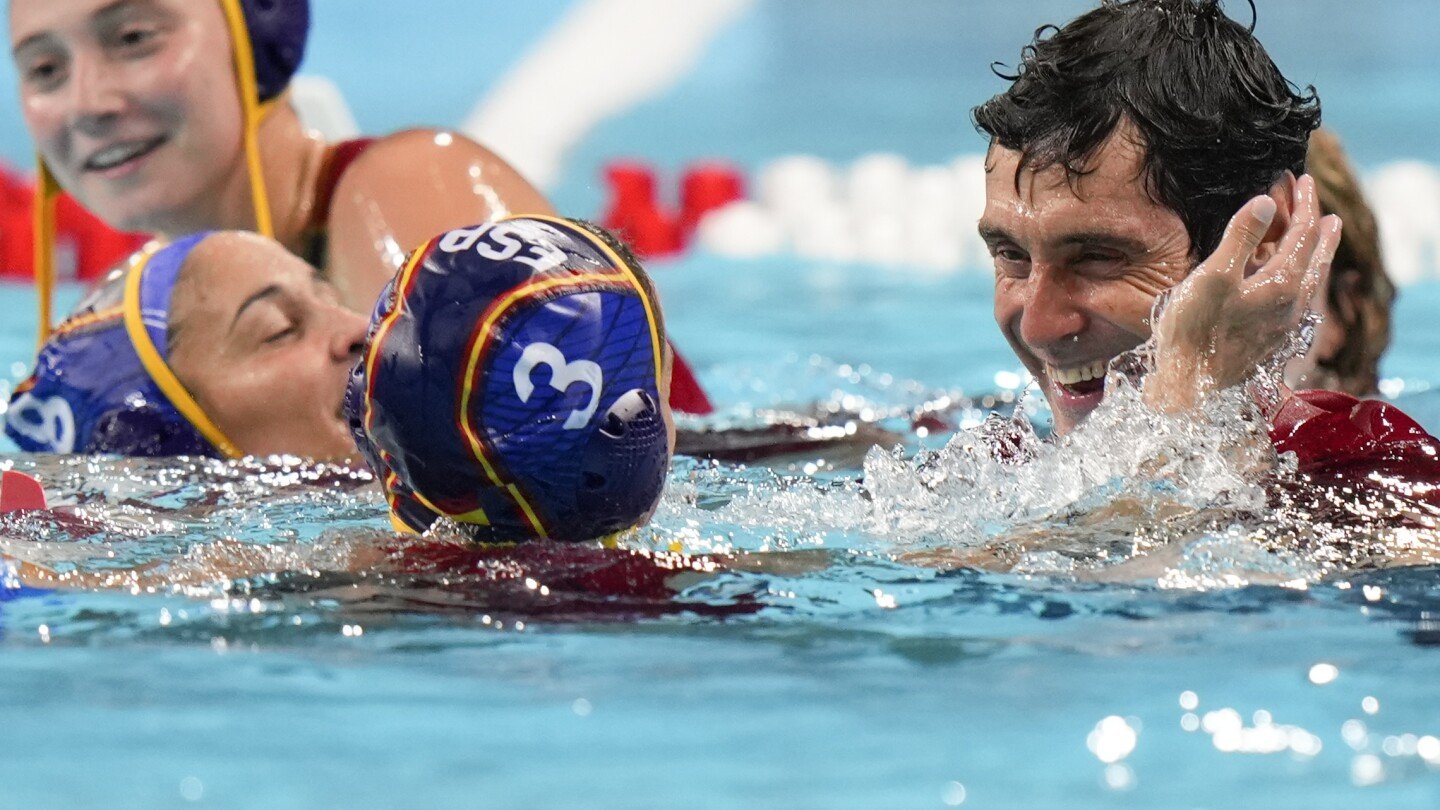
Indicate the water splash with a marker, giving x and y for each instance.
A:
(1192, 501)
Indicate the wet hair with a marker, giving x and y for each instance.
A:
(1360, 292)
(1217, 121)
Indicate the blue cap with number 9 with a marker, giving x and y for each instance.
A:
(513, 381)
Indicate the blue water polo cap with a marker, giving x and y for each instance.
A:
(278, 32)
(511, 382)
(103, 383)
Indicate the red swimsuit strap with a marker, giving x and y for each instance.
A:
(338, 158)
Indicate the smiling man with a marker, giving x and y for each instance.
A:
(1125, 144)
(1151, 149)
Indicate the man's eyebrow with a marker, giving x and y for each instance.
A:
(117, 8)
(30, 43)
(265, 293)
(1124, 244)
(993, 233)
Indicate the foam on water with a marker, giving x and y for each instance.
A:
(1182, 501)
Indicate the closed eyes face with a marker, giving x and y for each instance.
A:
(131, 103)
(264, 347)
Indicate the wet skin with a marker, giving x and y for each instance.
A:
(131, 108)
(264, 347)
(1081, 261)
(1078, 266)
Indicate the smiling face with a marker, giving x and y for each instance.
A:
(1079, 263)
(264, 347)
(132, 104)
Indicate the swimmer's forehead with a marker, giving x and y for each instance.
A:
(1108, 205)
(33, 21)
(228, 270)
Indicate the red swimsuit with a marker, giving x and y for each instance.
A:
(1343, 441)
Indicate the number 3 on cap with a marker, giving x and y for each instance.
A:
(562, 374)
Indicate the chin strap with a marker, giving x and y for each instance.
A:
(253, 110)
(43, 225)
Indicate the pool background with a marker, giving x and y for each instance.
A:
(975, 689)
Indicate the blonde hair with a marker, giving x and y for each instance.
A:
(1360, 292)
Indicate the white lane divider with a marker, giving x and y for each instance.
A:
(603, 58)
(323, 108)
(880, 210)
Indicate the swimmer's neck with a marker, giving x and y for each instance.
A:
(292, 157)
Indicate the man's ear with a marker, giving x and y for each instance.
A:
(1283, 193)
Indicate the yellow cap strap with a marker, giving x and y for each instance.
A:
(156, 366)
(43, 224)
(251, 107)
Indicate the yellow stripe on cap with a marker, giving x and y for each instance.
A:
(156, 366)
(479, 345)
(656, 341)
(476, 517)
(371, 357)
(251, 107)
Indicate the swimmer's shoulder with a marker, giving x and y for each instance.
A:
(405, 188)
(434, 171)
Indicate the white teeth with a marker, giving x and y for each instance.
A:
(116, 155)
(1078, 374)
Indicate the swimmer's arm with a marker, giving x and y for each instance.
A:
(407, 188)
(215, 563)
(775, 563)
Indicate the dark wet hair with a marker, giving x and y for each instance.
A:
(1219, 122)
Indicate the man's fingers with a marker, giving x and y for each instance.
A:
(1318, 271)
(1297, 248)
(1244, 233)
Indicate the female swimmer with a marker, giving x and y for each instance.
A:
(136, 110)
(170, 116)
(515, 378)
(513, 382)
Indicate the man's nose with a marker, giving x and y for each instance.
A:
(1053, 314)
(96, 99)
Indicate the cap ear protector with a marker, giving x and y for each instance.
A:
(268, 39)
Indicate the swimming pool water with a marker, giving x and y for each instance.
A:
(867, 682)
(861, 681)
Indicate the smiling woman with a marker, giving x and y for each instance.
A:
(171, 116)
(113, 94)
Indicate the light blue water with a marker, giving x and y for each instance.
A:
(975, 689)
